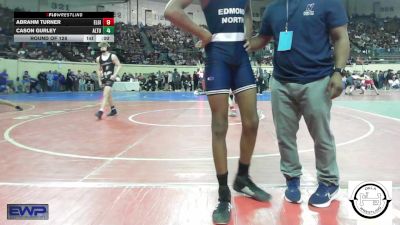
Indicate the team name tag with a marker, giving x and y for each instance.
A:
(285, 41)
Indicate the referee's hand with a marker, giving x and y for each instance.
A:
(335, 87)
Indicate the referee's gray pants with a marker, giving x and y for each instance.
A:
(291, 101)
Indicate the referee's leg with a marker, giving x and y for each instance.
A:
(316, 105)
(286, 115)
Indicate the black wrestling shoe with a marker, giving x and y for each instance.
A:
(222, 212)
(245, 185)
(113, 112)
(99, 114)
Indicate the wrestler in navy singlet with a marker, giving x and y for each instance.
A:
(107, 66)
(227, 62)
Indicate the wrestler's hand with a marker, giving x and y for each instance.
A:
(205, 38)
(248, 46)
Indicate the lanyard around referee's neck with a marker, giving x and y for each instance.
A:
(292, 12)
(287, 16)
(285, 37)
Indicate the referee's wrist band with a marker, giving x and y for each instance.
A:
(339, 70)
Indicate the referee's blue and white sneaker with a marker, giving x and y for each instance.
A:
(324, 195)
(292, 192)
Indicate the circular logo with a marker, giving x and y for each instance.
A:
(370, 200)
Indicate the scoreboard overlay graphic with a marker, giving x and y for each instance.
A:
(64, 26)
